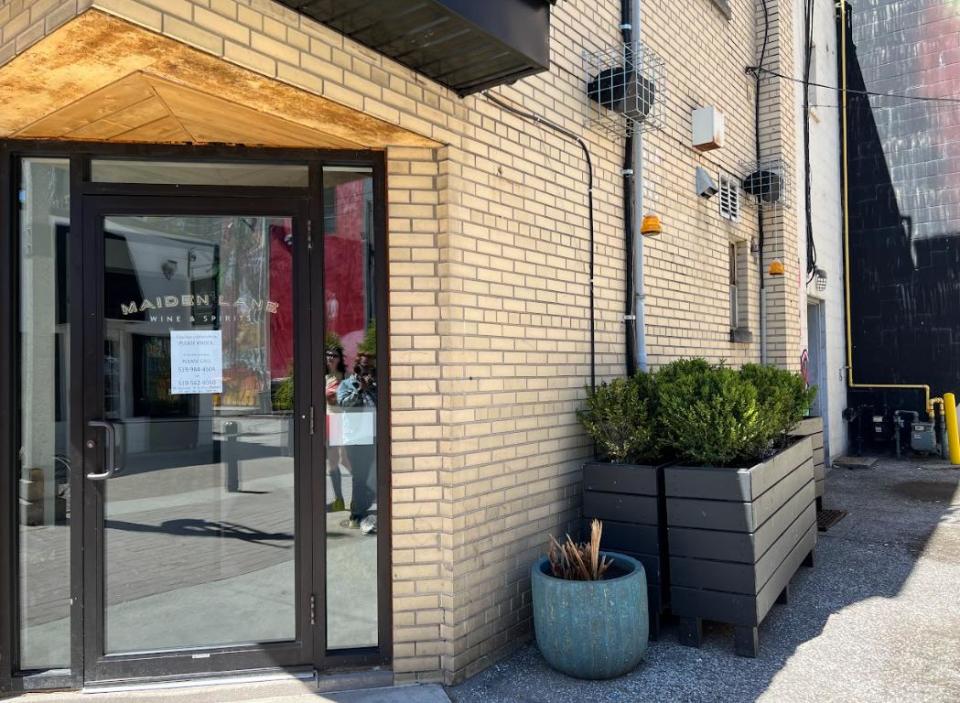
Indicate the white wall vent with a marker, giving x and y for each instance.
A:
(729, 198)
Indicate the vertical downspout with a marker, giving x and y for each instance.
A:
(630, 231)
(757, 146)
(639, 291)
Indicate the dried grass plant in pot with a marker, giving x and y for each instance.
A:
(589, 609)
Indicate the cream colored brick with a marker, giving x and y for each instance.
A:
(251, 59)
(249, 17)
(191, 34)
(299, 78)
(274, 48)
(182, 9)
(221, 25)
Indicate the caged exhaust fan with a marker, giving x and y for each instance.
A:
(765, 185)
(625, 88)
(622, 90)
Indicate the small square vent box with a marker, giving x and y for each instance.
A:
(708, 128)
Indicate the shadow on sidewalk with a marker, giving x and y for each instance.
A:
(876, 619)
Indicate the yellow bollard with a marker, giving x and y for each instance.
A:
(953, 434)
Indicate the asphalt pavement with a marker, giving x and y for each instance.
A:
(876, 619)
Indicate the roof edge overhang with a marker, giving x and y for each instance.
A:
(101, 78)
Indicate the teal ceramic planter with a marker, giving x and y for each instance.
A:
(592, 629)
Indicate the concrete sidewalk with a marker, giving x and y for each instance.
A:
(877, 619)
(286, 691)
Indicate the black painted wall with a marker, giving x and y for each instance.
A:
(904, 198)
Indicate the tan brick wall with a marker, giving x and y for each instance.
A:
(23, 22)
(686, 269)
(489, 281)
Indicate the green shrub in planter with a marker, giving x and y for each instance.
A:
(740, 503)
(709, 414)
(620, 417)
(783, 396)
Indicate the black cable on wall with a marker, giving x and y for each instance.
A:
(586, 155)
(756, 138)
(808, 16)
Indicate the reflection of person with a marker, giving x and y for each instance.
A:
(357, 396)
(336, 370)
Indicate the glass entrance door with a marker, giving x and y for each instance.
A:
(196, 424)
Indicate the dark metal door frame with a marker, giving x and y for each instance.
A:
(98, 667)
(309, 349)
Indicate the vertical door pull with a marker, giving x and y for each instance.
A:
(110, 437)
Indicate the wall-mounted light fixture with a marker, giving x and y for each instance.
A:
(776, 268)
(651, 226)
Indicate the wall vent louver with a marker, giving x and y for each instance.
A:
(729, 198)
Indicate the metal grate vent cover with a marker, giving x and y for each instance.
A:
(625, 88)
(767, 184)
(729, 198)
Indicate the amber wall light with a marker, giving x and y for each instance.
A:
(650, 227)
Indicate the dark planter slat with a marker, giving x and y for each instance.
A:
(767, 477)
(808, 427)
(732, 558)
(614, 506)
(745, 547)
(741, 609)
(729, 546)
(620, 478)
(767, 505)
(710, 514)
(812, 427)
(737, 484)
(627, 537)
(738, 516)
(732, 608)
(629, 500)
(706, 483)
(743, 578)
(781, 577)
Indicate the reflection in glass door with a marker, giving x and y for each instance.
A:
(352, 386)
(198, 482)
(194, 437)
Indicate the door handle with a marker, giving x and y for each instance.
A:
(111, 440)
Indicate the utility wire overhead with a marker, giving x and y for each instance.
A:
(922, 98)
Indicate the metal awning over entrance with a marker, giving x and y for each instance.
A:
(466, 45)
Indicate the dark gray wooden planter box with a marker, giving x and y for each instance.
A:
(736, 537)
(629, 500)
(812, 427)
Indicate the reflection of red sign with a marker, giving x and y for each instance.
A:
(344, 266)
(345, 278)
(281, 291)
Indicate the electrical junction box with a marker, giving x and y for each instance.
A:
(880, 429)
(923, 438)
(708, 129)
